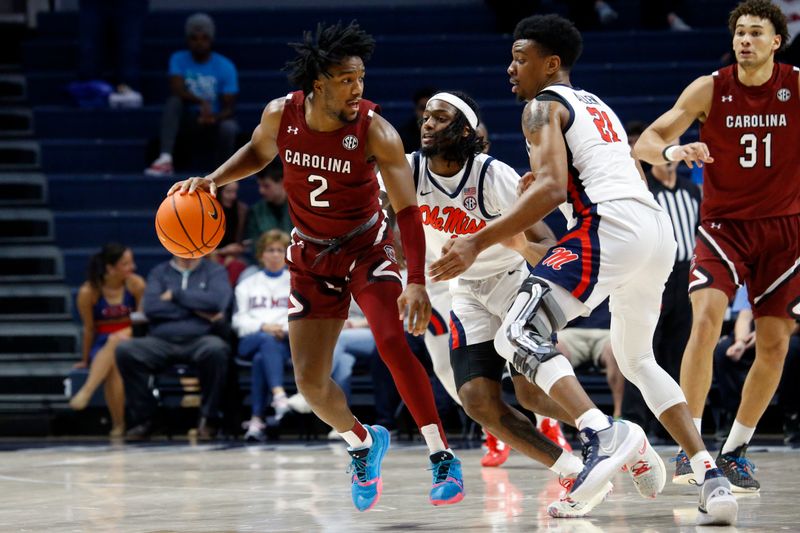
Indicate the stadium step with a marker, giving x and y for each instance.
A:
(19, 155)
(31, 263)
(74, 192)
(26, 225)
(81, 155)
(27, 378)
(35, 302)
(95, 228)
(271, 53)
(16, 122)
(395, 84)
(23, 189)
(61, 122)
(27, 337)
(13, 88)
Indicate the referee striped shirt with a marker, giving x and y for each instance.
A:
(682, 203)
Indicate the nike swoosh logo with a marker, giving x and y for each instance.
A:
(425, 193)
(214, 214)
(613, 444)
(513, 272)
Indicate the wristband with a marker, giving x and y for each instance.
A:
(669, 151)
(409, 221)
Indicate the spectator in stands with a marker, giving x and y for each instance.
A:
(791, 8)
(272, 211)
(588, 340)
(185, 304)
(483, 133)
(203, 86)
(409, 131)
(590, 14)
(663, 14)
(733, 357)
(261, 321)
(680, 199)
(123, 21)
(231, 246)
(105, 302)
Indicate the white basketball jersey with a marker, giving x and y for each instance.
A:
(601, 167)
(462, 204)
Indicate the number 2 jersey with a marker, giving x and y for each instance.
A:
(599, 159)
(331, 186)
(753, 134)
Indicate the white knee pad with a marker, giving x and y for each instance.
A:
(551, 371)
(659, 390)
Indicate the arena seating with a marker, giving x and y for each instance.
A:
(92, 189)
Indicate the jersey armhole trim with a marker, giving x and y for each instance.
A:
(415, 170)
(551, 96)
(481, 178)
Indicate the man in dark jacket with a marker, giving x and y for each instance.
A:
(184, 301)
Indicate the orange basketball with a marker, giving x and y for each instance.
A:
(190, 225)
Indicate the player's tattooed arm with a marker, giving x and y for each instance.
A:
(535, 116)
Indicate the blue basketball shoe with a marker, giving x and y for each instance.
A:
(605, 452)
(366, 469)
(448, 484)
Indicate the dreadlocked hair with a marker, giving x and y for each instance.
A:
(329, 46)
(451, 144)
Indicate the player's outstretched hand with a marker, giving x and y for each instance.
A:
(415, 298)
(525, 181)
(457, 256)
(692, 154)
(192, 184)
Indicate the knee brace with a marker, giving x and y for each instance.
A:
(531, 321)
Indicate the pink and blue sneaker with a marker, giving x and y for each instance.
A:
(448, 484)
(366, 469)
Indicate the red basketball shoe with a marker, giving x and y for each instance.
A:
(497, 451)
(552, 430)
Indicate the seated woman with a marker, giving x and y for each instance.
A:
(105, 302)
(261, 320)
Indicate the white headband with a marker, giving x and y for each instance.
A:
(459, 104)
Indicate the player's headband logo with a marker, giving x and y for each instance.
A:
(350, 142)
(784, 95)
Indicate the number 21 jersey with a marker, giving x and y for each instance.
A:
(599, 158)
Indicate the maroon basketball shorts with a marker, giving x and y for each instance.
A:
(763, 253)
(321, 287)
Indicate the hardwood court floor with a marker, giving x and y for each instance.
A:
(299, 487)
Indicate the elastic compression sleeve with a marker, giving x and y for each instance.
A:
(409, 220)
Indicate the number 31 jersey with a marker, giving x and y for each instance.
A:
(331, 186)
(753, 134)
(599, 159)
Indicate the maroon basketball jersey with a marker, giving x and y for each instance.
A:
(330, 185)
(753, 134)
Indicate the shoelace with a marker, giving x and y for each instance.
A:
(743, 464)
(441, 470)
(359, 467)
(566, 482)
(680, 458)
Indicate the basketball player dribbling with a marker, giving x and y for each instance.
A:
(329, 139)
(620, 245)
(750, 216)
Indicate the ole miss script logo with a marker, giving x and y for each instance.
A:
(559, 257)
(450, 220)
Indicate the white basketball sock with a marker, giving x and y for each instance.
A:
(566, 464)
(740, 434)
(594, 419)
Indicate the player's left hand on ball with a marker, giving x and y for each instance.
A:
(192, 184)
(415, 298)
(457, 256)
